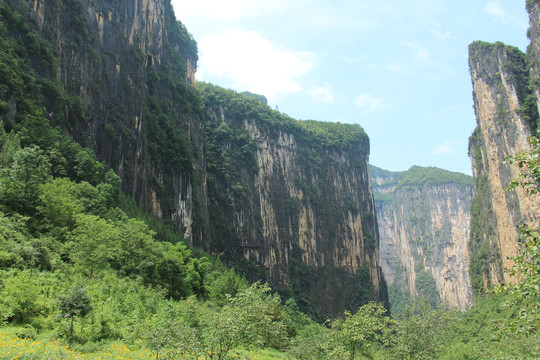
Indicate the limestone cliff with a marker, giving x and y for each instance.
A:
(424, 216)
(299, 198)
(126, 65)
(283, 200)
(505, 118)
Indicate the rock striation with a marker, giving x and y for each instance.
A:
(424, 216)
(299, 198)
(506, 112)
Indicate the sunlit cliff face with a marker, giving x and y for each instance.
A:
(501, 132)
(425, 228)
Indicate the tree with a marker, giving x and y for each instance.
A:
(9, 144)
(529, 162)
(197, 270)
(165, 333)
(59, 203)
(137, 255)
(526, 266)
(76, 303)
(421, 332)
(95, 243)
(357, 333)
(30, 168)
(251, 318)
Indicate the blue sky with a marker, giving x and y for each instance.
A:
(397, 68)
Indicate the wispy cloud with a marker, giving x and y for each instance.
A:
(395, 68)
(227, 10)
(420, 52)
(447, 147)
(494, 8)
(322, 93)
(368, 102)
(252, 62)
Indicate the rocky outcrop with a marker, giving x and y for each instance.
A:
(505, 119)
(424, 216)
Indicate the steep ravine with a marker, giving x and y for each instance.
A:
(280, 199)
(424, 216)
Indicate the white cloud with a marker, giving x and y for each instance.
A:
(420, 52)
(322, 94)
(253, 63)
(369, 102)
(395, 68)
(447, 147)
(227, 10)
(495, 9)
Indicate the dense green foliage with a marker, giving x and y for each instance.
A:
(316, 133)
(484, 255)
(418, 175)
(27, 84)
(527, 262)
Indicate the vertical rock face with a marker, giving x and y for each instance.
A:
(125, 64)
(300, 206)
(505, 117)
(281, 199)
(533, 51)
(424, 216)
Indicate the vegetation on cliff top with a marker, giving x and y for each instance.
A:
(416, 176)
(315, 133)
(515, 65)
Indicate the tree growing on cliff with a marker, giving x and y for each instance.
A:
(527, 262)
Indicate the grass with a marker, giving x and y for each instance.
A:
(13, 347)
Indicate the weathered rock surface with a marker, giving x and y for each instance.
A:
(302, 208)
(424, 216)
(500, 86)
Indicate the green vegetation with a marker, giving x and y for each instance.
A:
(315, 133)
(527, 262)
(516, 67)
(420, 176)
(76, 268)
(484, 255)
(258, 97)
(384, 198)
(417, 175)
